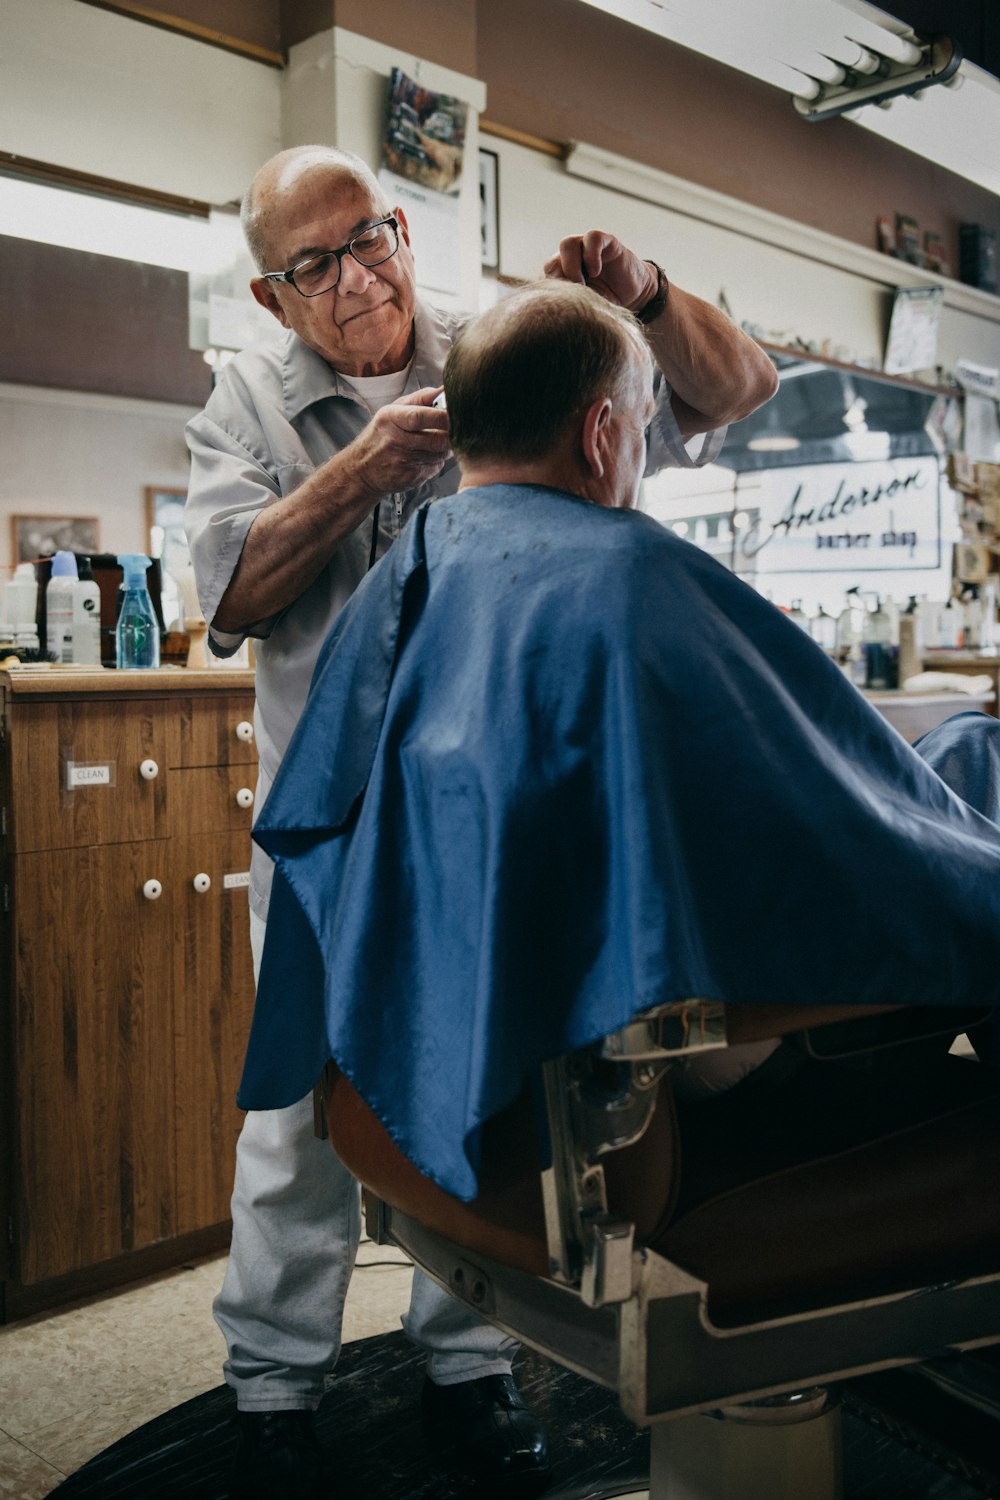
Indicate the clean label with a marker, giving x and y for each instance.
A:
(234, 882)
(99, 774)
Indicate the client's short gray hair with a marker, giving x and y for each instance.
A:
(515, 377)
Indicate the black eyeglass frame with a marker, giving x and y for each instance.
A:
(348, 249)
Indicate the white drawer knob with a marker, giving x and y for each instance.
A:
(152, 890)
(244, 797)
(149, 770)
(202, 883)
(244, 731)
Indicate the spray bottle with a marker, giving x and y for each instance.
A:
(137, 637)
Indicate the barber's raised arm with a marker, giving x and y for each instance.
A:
(292, 539)
(716, 372)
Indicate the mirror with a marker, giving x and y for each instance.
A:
(836, 483)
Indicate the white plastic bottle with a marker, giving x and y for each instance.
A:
(21, 598)
(59, 607)
(86, 617)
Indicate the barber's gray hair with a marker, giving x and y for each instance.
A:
(281, 171)
(515, 377)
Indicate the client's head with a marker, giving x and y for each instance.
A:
(552, 386)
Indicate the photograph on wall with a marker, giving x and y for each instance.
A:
(424, 135)
(33, 537)
(489, 209)
(421, 169)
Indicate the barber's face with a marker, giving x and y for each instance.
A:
(364, 326)
(630, 416)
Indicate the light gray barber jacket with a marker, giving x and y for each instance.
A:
(277, 414)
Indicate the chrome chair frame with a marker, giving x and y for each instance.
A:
(631, 1320)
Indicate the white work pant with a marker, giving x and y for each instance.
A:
(296, 1224)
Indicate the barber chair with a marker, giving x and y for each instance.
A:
(721, 1266)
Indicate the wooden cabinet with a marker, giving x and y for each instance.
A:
(127, 803)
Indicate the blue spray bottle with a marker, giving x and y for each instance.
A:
(137, 637)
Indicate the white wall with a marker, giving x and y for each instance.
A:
(100, 93)
(69, 453)
(788, 280)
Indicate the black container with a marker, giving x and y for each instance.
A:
(977, 256)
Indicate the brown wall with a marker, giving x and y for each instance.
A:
(93, 323)
(566, 71)
(559, 69)
(569, 72)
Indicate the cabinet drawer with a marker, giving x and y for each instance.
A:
(216, 731)
(212, 799)
(88, 773)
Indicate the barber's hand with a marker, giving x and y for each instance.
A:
(403, 445)
(600, 260)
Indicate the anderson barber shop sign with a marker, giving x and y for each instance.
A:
(851, 517)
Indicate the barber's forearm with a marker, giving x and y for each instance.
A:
(290, 542)
(717, 373)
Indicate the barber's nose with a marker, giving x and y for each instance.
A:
(354, 277)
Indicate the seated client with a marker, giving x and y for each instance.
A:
(584, 770)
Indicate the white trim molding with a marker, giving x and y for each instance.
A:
(651, 185)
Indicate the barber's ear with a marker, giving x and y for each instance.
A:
(267, 297)
(594, 435)
(404, 228)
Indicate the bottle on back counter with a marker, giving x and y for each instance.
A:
(137, 636)
(21, 597)
(86, 617)
(59, 594)
(823, 629)
(881, 651)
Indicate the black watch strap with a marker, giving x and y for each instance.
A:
(658, 301)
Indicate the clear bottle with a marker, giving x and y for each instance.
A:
(86, 617)
(881, 654)
(849, 623)
(951, 627)
(798, 614)
(137, 636)
(823, 629)
(59, 608)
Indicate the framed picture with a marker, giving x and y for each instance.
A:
(165, 520)
(33, 537)
(489, 209)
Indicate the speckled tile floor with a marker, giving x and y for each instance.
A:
(75, 1380)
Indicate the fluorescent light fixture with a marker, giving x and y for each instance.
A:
(774, 442)
(83, 221)
(798, 48)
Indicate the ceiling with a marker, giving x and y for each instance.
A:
(794, 44)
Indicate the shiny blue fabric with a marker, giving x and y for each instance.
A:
(557, 766)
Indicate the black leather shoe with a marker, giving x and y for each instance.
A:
(278, 1457)
(490, 1430)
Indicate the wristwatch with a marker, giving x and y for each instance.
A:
(658, 301)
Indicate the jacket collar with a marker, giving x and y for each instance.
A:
(307, 377)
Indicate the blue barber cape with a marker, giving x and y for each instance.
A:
(557, 766)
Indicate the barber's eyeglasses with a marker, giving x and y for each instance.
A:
(320, 273)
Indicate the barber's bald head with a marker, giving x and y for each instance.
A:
(286, 174)
(313, 202)
(519, 377)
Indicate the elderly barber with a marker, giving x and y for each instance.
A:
(307, 462)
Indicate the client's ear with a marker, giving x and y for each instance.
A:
(594, 435)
